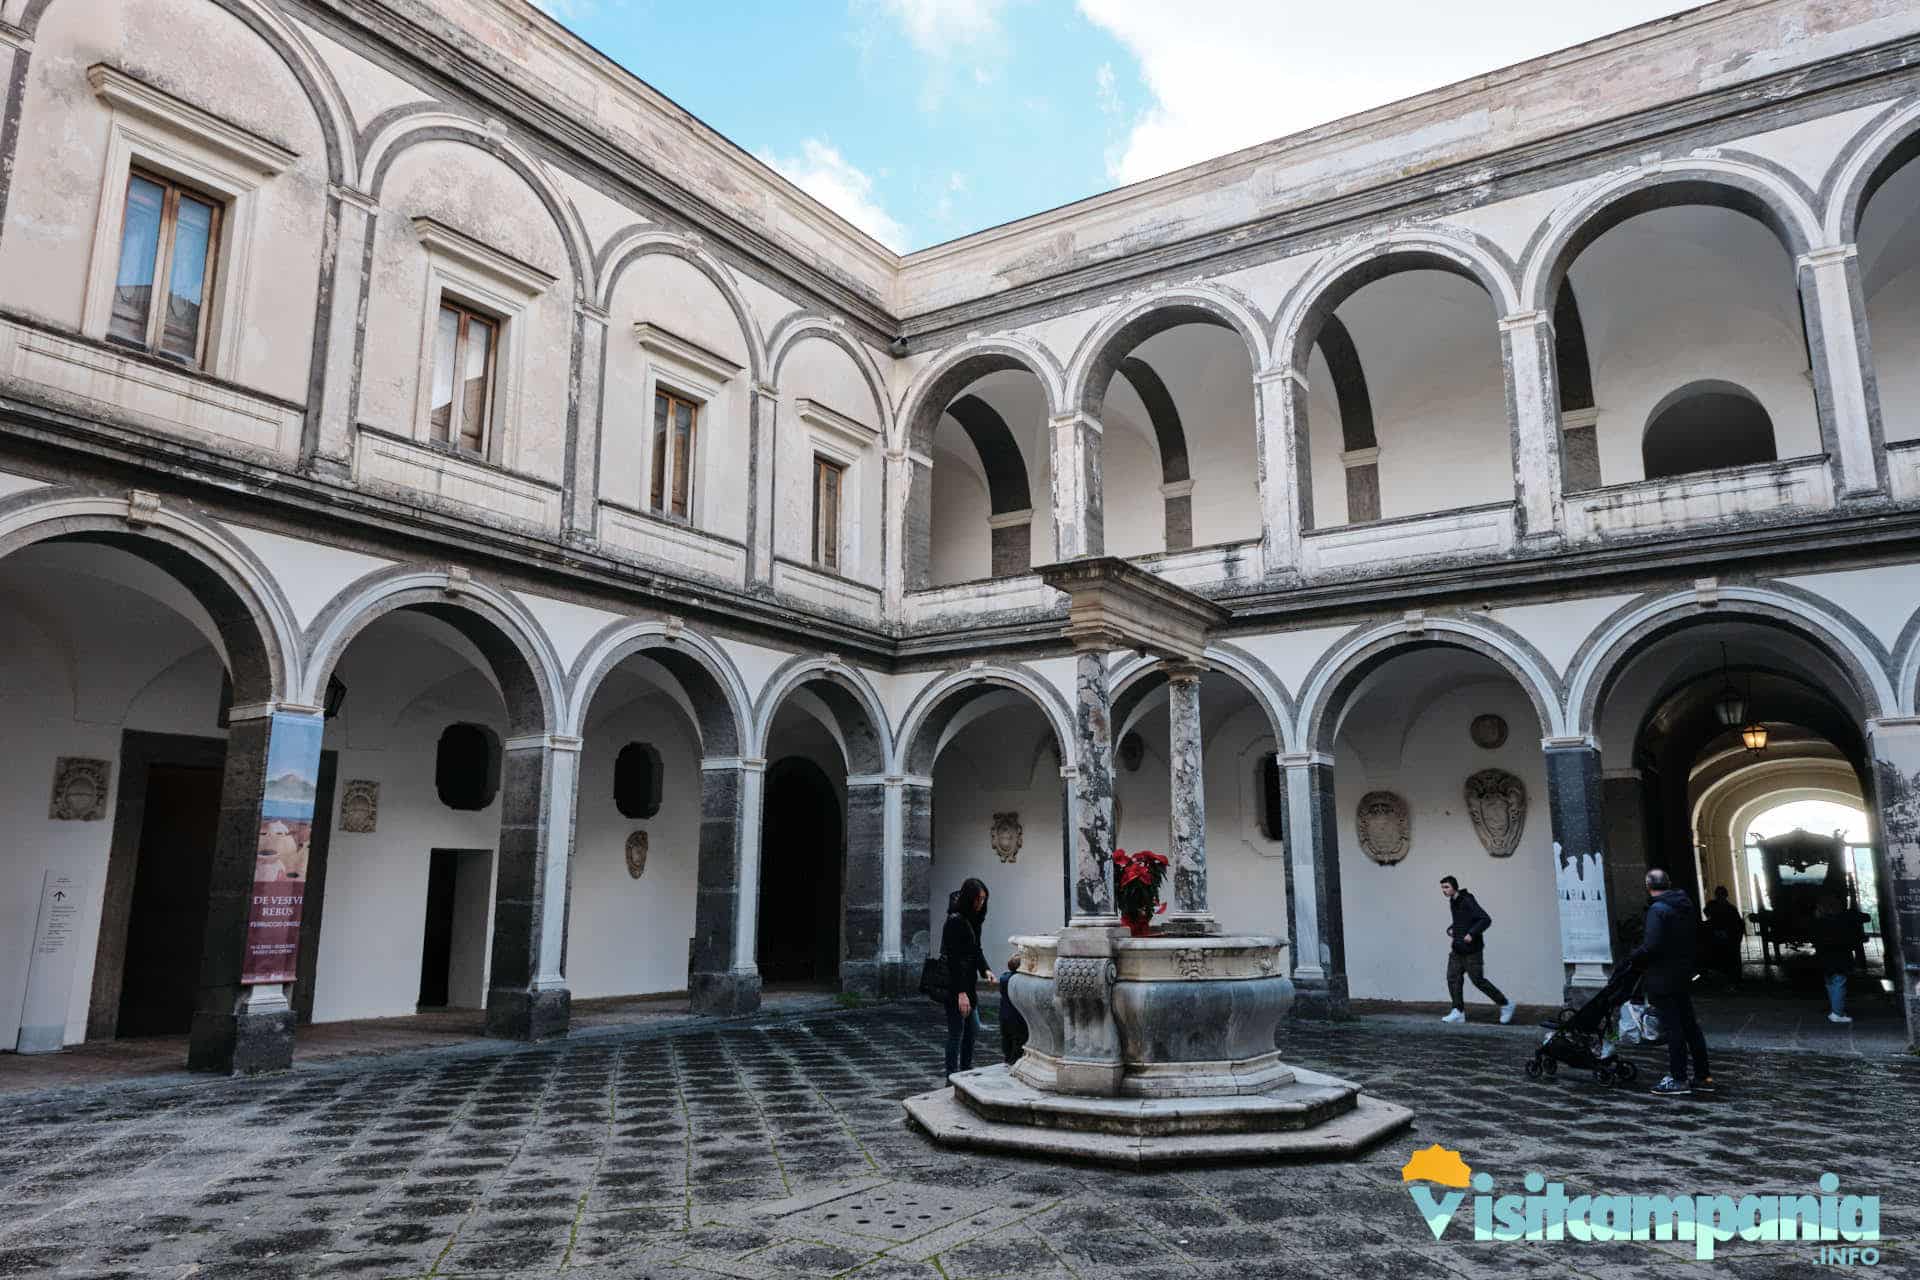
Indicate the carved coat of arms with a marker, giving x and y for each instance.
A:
(1385, 825)
(1007, 836)
(1497, 803)
(360, 807)
(637, 854)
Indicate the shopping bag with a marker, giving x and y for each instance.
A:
(935, 983)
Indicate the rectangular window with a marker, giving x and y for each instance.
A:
(829, 478)
(463, 354)
(675, 424)
(169, 241)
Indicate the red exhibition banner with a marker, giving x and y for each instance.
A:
(280, 859)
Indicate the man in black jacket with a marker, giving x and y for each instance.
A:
(1669, 952)
(1467, 957)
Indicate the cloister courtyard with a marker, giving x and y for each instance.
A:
(775, 1147)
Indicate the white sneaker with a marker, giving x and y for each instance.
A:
(1457, 1015)
(1838, 1017)
(1506, 1011)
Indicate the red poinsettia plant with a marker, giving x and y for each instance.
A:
(1137, 878)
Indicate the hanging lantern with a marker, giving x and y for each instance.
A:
(1755, 736)
(1730, 709)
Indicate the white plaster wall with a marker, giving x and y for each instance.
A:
(961, 541)
(1395, 916)
(1210, 376)
(1889, 239)
(1326, 441)
(465, 188)
(818, 370)
(59, 167)
(1130, 471)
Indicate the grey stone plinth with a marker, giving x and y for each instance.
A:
(244, 1043)
(724, 995)
(513, 1014)
(1315, 1117)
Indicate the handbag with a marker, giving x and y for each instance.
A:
(936, 982)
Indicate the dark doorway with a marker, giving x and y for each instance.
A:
(801, 870)
(453, 942)
(168, 921)
(436, 951)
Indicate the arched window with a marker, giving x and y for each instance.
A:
(466, 768)
(1705, 425)
(636, 781)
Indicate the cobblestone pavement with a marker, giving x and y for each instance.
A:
(778, 1150)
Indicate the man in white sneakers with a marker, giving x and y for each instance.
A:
(1467, 958)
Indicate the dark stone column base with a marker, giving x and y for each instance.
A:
(1321, 999)
(513, 1014)
(241, 1044)
(724, 995)
(861, 977)
(899, 978)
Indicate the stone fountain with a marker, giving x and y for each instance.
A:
(1160, 1049)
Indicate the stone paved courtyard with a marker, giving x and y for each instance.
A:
(778, 1150)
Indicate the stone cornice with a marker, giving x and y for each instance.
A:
(1113, 604)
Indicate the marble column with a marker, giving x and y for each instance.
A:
(1316, 928)
(1078, 527)
(761, 499)
(1093, 792)
(580, 486)
(911, 476)
(1187, 803)
(527, 996)
(1628, 836)
(1577, 812)
(1533, 413)
(911, 799)
(1286, 498)
(242, 1029)
(1894, 745)
(1844, 391)
(328, 443)
(862, 932)
(722, 976)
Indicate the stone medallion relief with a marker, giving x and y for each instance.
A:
(360, 807)
(1488, 731)
(79, 789)
(1007, 836)
(1497, 803)
(1386, 826)
(637, 854)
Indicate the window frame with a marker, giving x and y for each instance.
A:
(824, 464)
(172, 190)
(663, 475)
(467, 314)
(854, 446)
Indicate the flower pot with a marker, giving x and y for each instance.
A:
(1139, 926)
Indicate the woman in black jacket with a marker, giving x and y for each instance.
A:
(966, 965)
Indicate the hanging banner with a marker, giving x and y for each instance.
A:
(280, 861)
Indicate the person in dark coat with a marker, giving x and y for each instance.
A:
(1836, 936)
(1670, 954)
(1466, 958)
(966, 965)
(1724, 931)
(1013, 1024)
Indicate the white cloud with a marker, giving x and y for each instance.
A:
(826, 175)
(940, 26)
(1226, 74)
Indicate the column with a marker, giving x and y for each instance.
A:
(1533, 410)
(722, 976)
(909, 475)
(1580, 449)
(862, 933)
(527, 996)
(581, 481)
(761, 499)
(1578, 816)
(1624, 794)
(1078, 528)
(910, 815)
(328, 444)
(1187, 801)
(1286, 499)
(1011, 539)
(1844, 391)
(1315, 926)
(1176, 499)
(1894, 745)
(242, 1021)
(1092, 792)
(1363, 483)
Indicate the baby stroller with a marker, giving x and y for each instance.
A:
(1584, 1038)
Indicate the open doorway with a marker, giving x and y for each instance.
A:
(801, 874)
(453, 949)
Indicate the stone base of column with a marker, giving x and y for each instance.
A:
(1582, 981)
(724, 995)
(1177, 926)
(243, 1043)
(861, 977)
(1322, 999)
(513, 1014)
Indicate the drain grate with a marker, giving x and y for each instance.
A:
(897, 1212)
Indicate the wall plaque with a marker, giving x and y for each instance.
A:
(1497, 803)
(1488, 731)
(360, 807)
(79, 789)
(1007, 836)
(1386, 826)
(637, 854)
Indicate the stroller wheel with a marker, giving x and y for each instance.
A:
(1627, 1070)
(1553, 1067)
(1533, 1068)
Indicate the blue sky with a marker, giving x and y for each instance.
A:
(923, 120)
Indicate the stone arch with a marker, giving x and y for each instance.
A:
(1663, 456)
(953, 370)
(516, 648)
(256, 624)
(1341, 669)
(1000, 458)
(392, 133)
(1101, 352)
(797, 328)
(706, 674)
(1907, 651)
(1297, 324)
(1739, 185)
(1887, 142)
(634, 243)
(1606, 653)
(1134, 679)
(859, 715)
(919, 738)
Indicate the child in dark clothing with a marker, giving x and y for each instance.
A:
(1013, 1027)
